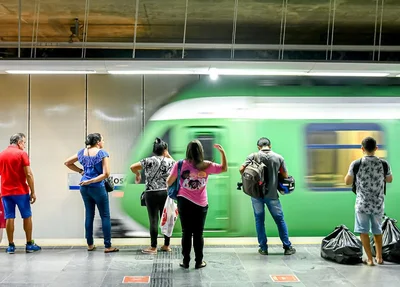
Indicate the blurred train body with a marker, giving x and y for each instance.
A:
(317, 129)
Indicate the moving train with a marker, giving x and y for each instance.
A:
(317, 129)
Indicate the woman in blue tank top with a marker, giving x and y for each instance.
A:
(95, 169)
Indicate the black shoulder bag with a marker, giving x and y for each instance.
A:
(142, 199)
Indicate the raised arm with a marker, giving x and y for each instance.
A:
(224, 162)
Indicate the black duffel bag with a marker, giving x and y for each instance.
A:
(342, 246)
(390, 241)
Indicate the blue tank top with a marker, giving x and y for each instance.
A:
(92, 165)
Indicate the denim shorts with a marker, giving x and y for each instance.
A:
(366, 222)
(23, 203)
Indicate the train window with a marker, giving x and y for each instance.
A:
(332, 147)
(207, 140)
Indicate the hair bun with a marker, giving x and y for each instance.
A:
(158, 140)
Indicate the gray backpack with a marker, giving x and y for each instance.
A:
(253, 177)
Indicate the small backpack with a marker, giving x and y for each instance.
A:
(253, 177)
(356, 168)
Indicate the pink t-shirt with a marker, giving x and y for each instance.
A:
(193, 182)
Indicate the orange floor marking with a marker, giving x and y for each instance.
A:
(136, 279)
(118, 194)
(284, 278)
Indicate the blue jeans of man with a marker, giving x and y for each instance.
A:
(93, 196)
(275, 209)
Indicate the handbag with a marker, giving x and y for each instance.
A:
(108, 182)
(142, 199)
(174, 188)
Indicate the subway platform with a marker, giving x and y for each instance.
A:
(231, 262)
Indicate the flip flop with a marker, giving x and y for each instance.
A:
(201, 265)
(365, 261)
(111, 250)
(379, 262)
(92, 249)
(166, 249)
(149, 251)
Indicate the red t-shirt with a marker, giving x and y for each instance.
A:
(13, 178)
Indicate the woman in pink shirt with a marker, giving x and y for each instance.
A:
(192, 198)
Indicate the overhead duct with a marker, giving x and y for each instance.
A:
(197, 46)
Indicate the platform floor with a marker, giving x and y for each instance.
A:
(228, 265)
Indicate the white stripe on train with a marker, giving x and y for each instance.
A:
(354, 108)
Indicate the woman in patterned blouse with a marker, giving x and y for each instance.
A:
(156, 169)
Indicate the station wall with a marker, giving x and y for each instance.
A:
(56, 112)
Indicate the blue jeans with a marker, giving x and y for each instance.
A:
(93, 196)
(275, 208)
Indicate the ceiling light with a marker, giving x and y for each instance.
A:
(154, 72)
(251, 72)
(213, 73)
(347, 74)
(48, 72)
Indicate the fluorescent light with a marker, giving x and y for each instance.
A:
(155, 72)
(48, 72)
(251, 72)
(347, 74)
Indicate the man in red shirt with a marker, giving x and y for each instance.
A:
(15, 172)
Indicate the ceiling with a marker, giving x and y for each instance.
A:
(208, 21)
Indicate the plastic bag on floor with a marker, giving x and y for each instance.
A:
(169, 216)
(390, 241)
(342, 246)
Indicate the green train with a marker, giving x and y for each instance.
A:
(318, 130)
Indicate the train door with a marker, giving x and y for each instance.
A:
(218, 184)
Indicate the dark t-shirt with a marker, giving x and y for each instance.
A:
(274, 163)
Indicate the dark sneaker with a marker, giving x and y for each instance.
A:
(10, 249)
(263, 252)
(289, 251)
(30, 248)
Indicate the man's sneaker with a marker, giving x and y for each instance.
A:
(289, 251)
(10, 249)
(30, 248)
(263, 252)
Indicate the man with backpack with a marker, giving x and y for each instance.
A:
(369, 176)
(272, 165)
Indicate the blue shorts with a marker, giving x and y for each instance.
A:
(23, 202)
(366, 222)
